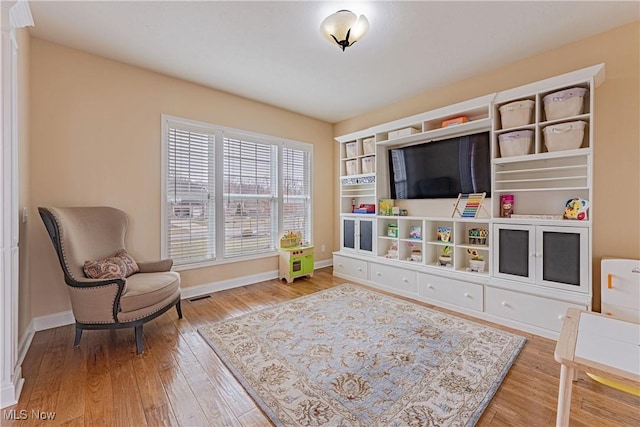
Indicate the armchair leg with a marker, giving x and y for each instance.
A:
(139, 339)
(179, 310)
(76, 341)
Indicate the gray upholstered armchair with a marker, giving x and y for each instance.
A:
(125, 297)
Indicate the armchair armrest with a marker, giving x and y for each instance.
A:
(155, 266)
(96, 300)
(86, 282)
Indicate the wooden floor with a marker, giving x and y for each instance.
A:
(178, 380)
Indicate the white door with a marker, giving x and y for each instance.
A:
(562, 258)
(515, 256)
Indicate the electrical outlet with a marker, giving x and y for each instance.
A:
(323, 248)
(25, 214)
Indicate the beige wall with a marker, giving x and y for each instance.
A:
(96, 138)
(24, 288)
(616, 204)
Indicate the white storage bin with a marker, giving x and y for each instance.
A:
(402, 132)
(352, 149)
(515, 143)
(352, 167)
(564, 136)
(565, 103)
(518, 113)
(369, 164)
(369, 146)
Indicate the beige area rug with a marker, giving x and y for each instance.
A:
(348, 356)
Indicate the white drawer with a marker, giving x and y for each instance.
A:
(537, 311)
(623, 275)
(622, 313)
(463, 294)
(350, 267)
(393, 277)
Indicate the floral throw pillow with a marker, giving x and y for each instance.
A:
(117, 266)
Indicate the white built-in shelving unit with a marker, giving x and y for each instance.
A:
(522, 284)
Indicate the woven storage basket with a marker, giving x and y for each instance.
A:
(369, 146)
(518, 113)
(565, 103)
(564, 136)
(351, 148)
(368, 164)
(515, 143)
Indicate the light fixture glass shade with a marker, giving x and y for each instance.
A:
(344, 28)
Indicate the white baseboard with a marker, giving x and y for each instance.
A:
(323, 264)
(25, 342)
(54, 320)
(10, 390)
(64, 318)
(221, 285)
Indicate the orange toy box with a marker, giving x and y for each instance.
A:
(455, 121)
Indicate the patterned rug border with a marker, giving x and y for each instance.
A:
(272, 416)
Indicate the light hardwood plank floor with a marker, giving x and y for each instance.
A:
(179, 380)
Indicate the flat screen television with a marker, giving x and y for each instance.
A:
(441, 169)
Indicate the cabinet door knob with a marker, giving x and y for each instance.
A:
(405, 280)
(378, 273)
(340, 264)
(561, 317)
(429, 285)
(466, 294)
(504, 304)
(359, 268)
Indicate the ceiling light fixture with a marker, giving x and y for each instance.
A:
(344, 28)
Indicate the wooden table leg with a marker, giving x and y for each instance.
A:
(567, 375)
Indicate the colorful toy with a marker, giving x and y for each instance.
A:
(576, 208)
(290, 239)
(478, 236)
(468, 205)
(444, 234)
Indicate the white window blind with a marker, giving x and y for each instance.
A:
(296, 192)
(190, 196)
(230, 194)
(250, 197)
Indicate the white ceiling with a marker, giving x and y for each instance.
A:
(273, 52)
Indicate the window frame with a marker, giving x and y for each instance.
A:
(220, 133)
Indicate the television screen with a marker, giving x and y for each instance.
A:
(441, 169)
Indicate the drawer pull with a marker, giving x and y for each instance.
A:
(504, 304)
(340, 264)
(378, 273)
(429, 285)
(405, 280)
(466, 295)
(561, 317)
(359, 268)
